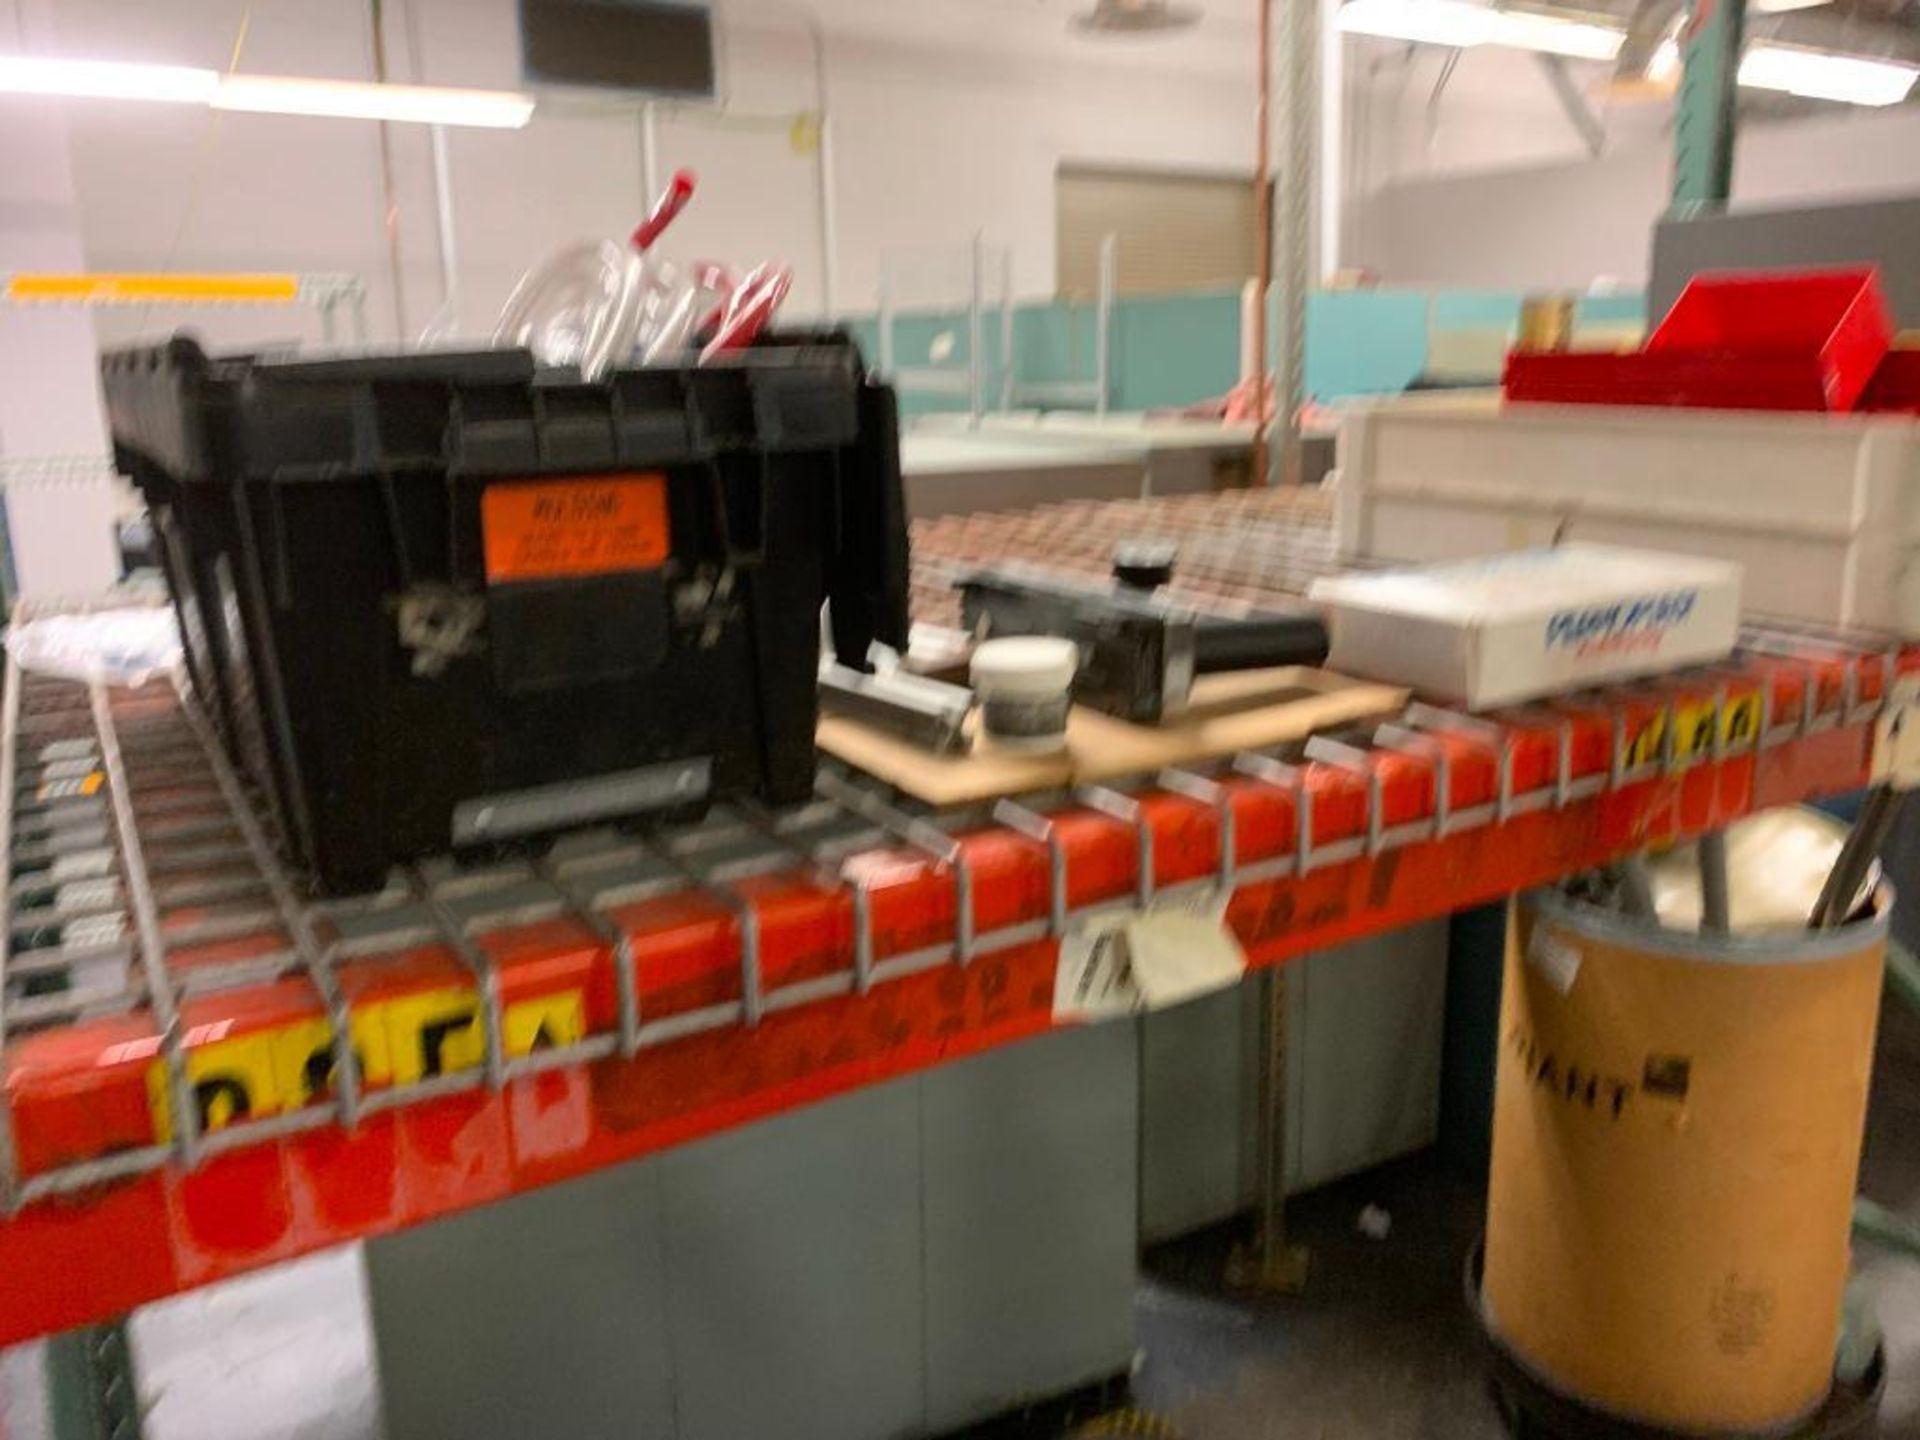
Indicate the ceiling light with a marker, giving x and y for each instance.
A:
(105, 80)
(269, 94)
(1812, 74)
(1664, 67)
(1816, 75)
(359, 100)
(1426, 22)
(1525, 30)
(1461, 26)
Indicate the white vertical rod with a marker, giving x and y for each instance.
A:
(1333, 146)
(976, 333)
(649, 159)
(1103, 324)
(886, 316)
(1006, 329)
(823, 168)
(449, 253)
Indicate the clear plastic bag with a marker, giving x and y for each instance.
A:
(121, 647)
(584, 307)
(596, 305)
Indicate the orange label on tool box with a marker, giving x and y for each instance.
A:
(560, 529)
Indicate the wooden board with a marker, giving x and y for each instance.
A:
(1251, 710)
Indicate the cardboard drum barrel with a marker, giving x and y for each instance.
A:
(1677, 1133)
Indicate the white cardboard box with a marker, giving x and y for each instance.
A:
(1822, 511)
(1506, 628)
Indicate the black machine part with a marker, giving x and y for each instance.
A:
(928, 713)
(1139, 650)
(1145, 564)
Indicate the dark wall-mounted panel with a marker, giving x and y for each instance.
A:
(648, 47)
(1880, 232)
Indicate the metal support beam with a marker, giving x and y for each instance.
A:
(1263, 239)
(1704, 115)
(1272, 1264)
(1333, 140)
(1578, 111)
(91, 1392)
(1300, 130)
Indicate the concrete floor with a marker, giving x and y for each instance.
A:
(1377, 1348)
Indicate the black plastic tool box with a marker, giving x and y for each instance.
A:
(448, 600)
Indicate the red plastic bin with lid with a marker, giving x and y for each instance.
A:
(1761, 340)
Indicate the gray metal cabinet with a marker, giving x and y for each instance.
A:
(794, 1280)
(892, 1263)
(539, 1316)
(1031, 1222)
(1366, 1023)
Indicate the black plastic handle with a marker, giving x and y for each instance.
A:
(1258, 641)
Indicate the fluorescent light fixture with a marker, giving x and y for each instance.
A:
(1524, 30)
(1424, 22)
(1664, 67)
(1850, 79)
(1814, 74)
(1462, 25)
(266, 94)
(105, 80)
(358, 100)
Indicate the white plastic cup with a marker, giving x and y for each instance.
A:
(1025, 686)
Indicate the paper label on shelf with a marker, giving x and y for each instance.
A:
(87, 894)
(1094, 979)
(1896, 736)
(81, 865)
(72, 788)
(92, 930)
(1555, 959)
(1182, 949)
(569, 529)
(1125, 962)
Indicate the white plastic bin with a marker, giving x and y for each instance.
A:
(1822, 511)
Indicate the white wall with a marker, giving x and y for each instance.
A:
(61, 532)
(949, 116)
(933, 140)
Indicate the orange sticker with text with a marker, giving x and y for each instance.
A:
(565, 529)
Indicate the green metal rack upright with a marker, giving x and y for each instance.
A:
(1704, 113)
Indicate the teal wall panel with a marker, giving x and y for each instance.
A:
(1614, 309)
(1173, 350)
(1364, 342)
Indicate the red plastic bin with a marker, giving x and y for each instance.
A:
(1896, 384)
(1833, 323)
(1677, 378)
(1744, 340)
